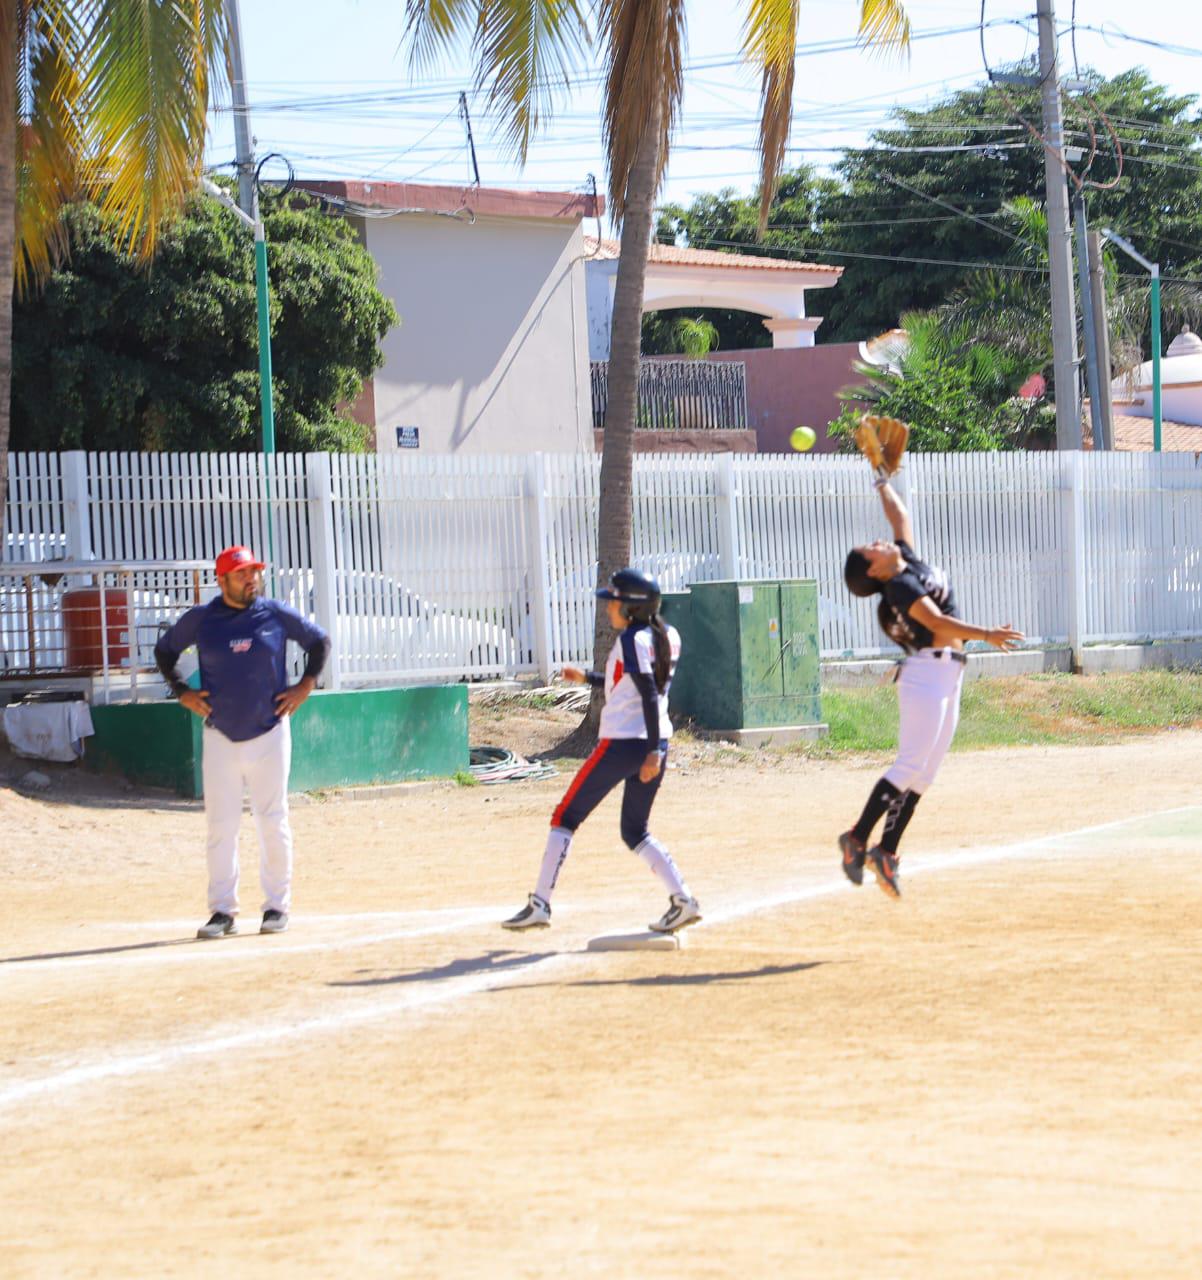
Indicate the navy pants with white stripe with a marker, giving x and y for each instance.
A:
(615, 761)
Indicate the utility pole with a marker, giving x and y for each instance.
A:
(1101, 327)
(244, 145)
(1089, 316)
(1060, 252)
(248, 207)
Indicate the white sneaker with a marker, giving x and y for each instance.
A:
(681, 913)
(536, 914)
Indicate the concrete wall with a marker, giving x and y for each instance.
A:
(491, 355)
(338, 739)
(793, 388)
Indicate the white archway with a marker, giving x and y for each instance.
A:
(770, 287)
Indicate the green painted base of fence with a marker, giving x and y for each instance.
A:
(338, 739)
(153, 743)
(749, 653)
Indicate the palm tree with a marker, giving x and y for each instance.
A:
(98, 98)
(526, 49)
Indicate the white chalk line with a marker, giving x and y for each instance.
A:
(223, 950)
(453, 989)
(912, 867)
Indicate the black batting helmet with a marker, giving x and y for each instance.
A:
(632, 588)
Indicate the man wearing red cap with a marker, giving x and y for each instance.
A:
(245, 700)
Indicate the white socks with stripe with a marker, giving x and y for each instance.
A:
(559, 841)
(660, 861)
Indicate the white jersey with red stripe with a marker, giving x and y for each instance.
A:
(622, 716)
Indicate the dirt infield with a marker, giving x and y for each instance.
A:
(997, 1077)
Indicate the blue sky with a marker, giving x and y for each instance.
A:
(331, 88)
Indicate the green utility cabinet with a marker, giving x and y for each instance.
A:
(749, 664)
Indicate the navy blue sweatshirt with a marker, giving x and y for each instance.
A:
(242, 659)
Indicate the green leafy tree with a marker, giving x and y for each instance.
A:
(958, 395)
(113, 354)
(668, 333)
(1157, 203)
(901, 249)
(94, 96)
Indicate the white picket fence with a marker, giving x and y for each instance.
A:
(477, 566)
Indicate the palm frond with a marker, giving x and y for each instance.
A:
(146, 74)
(1030, 223)
(50, 140)
(644, 47)
(770, 44)
(434, 26)
(526, 51)
(884, 25)
(1181, 304)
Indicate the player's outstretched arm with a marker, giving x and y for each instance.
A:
(946, 629)
(895, 512)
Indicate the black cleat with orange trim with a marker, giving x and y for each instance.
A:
(884, 867)
(852, 849)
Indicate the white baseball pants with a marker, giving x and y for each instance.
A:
(928, 694)
(259, 766)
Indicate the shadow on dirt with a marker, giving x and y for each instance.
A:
(502, 961)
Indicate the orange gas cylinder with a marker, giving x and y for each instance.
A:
(85, 628)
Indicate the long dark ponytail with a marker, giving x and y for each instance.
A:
(663, 651)
(649, 614)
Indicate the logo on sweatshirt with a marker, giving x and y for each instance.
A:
(241, 646)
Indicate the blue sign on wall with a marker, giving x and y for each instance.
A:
(406, 437)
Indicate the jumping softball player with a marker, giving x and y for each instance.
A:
(633, 750)
(917, 611)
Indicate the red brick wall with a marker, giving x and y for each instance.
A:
(685, 441)
(794, 387)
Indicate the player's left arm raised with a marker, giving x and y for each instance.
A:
(945, 629)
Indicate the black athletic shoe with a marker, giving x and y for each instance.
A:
(853, 852)
(273, 921)
(218, 926)
(884, 867)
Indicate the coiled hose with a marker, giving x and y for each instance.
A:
(497, 764)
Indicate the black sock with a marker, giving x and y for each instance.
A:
(897, 818)
(883, 795)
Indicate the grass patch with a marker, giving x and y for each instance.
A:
(465, 778)
(1023, 711)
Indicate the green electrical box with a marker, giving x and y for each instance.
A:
(749, 662)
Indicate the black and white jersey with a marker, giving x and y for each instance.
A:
(916, 580)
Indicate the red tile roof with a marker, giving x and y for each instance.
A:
(497, 201)
(669, 253)
(1134, 435)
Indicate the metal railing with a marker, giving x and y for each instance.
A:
(680, 395)
(94, 619)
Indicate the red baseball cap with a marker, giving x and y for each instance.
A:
(237, 558)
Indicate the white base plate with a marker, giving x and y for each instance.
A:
(646, 941)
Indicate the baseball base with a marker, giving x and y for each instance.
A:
(646, 941)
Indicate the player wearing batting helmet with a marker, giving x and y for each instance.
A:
(917, 611)
(245, 700)
(633, 749)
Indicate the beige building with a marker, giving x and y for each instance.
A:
(491, 355)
